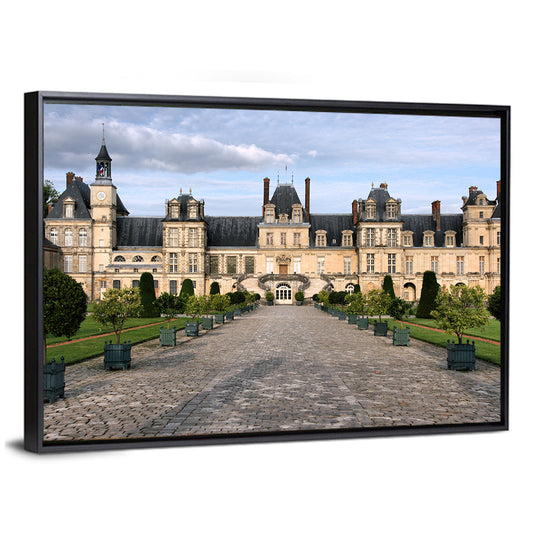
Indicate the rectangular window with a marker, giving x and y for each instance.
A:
(391, 263)
(116, 284)
(249, 265)
(135, 283)
(320, 266)
(498, 237)
(82, 237)
(173, 262)
(135, 269)
(460, 264)
(154, 270)
(213, 264)
(69, 211)
(270, 265)
(54, 236)
(156, 284)
(409, 264)
(428, 240)
(283, 237)
(450, 240)
(173, 236)
(435, 264)
(82, 263)
(193, 263)
(347, 240)
(481, 214)
(481, 240)
(68, 237)
(321, 240)
(347, 265)
(497, 265)
(101, 243)
(231, 264)
(193, 237)
(370, 237)
(391, 237)
(297, 265)
(173, 286)
(102, 284)
(67, 263)
(100, 268)
(370, 263)
(297, 239)
(482, 265)
(270, 238)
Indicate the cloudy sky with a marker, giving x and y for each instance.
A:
(223, 155)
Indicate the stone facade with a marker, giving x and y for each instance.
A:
(284, 250)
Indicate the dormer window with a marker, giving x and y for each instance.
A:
(68, 208)
(370, 209)
(391, 209)
(269, 215)
(174, 209)
(449, 239)
(321, 238)
(192, 209)
(297, 214)
(429, 238)
(408, 238)
(347, 238)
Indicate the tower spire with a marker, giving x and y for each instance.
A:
(103, 160)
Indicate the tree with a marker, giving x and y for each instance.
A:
(193, 306)
(147, 292)
(50, 196)
(398, 308)
(323, 297)
(187, 288)
(388, 286)
(215, 288)
(64, 305)
(170, 305)
(495, 303)
(356, 303)
(116, 307)
(460, 308)
(219, 302)
(378, 302)
(430, 289)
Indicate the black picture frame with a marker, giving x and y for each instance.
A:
(33, 261)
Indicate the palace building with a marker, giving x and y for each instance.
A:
(287, 248)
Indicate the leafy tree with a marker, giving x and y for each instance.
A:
(237, 297)
(460, 308)
(388, 286)
(116, 307)
(50, 196)
(378, 302)
(323, 297)
(170, 305)
(430, 289)
(187, 288)
(398, 308)
(147, 292)
(64, 305)
(495, 303)
(220, 302)
(337, 297)
(250, 297)
(193, 306)
(215, 288)
(204, 304)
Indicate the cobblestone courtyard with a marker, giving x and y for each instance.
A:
(277, 368)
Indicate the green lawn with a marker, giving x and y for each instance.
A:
(491, 331)
(78, 351)
(484, 350)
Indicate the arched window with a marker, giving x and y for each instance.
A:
(350, 288)
(82, 237)
(155, 259)
(138, 259)
(283, 292)
(119, 259)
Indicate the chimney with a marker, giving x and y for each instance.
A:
(307, 199)
(78, 178)
(355, 214)
(50, 207)
(266, 188)
(70, 177)
(498, 188)
(471, 190)
(435, 211)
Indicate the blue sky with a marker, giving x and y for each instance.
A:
(223, 155)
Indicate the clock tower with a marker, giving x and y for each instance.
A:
(103, 209)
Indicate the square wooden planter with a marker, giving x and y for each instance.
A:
(230, 315)
(207, 322)
(341, 315)
(380, 329)
(400, 337)
(461, 356)
(219, 318)
(192, 329)
(352, 319)
(362, 323)
(117, 355)
(54, 380)
(167, 337)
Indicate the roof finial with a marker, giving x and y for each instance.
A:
(372, 185)
(190, 190)
(181, 190)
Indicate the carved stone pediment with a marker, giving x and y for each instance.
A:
(283, 259)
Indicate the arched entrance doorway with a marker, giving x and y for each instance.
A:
(283, 294)
(409, 292)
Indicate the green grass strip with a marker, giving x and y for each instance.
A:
(492, 331)
(79, 351)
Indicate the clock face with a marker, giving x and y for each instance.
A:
(101, 195)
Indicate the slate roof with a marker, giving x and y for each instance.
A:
(103, 154)
(420, 223)
(334, 226)
(80, 192)
(232, 231)
(139, 231)
(184, 199)
(284, 197)
(380, 196)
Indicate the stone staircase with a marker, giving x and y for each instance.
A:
(252, 284)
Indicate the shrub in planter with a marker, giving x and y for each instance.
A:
(170, 306)
(116, 307)
(219, 303)
(459, 308)
(299, 297)
(399, 308)
(269, 297)
(378, 304)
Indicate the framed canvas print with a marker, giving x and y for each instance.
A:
(205, 270)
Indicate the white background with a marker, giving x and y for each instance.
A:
(454, 52)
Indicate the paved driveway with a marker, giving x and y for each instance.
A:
(277, 368)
